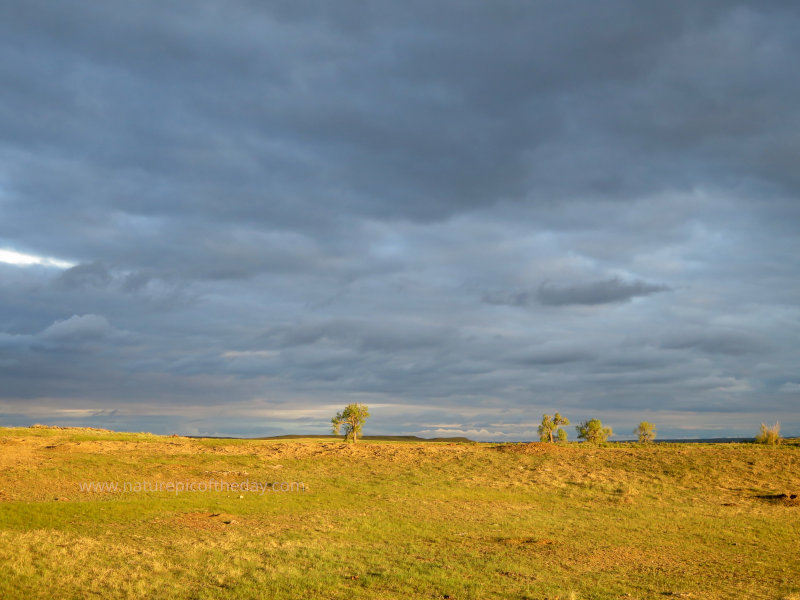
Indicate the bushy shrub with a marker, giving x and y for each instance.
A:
(769, 435)
(593, 431)
(646, 432)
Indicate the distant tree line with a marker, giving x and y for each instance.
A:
(592, 430)
(352, 419)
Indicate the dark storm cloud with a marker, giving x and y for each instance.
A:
(274, 209)
(606, 291)
(595, 292)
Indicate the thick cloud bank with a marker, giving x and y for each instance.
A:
(235, 217)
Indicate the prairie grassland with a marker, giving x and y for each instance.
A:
(396, 520)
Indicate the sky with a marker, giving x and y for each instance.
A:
(235, 218)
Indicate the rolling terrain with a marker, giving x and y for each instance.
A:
(317, 518)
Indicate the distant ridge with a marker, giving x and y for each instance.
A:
(374, 438)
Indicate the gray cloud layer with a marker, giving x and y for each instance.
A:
(464, 214)
(605, 291)
(595, 292)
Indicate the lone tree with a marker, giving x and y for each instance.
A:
(593, 431)
(352, 417)
(646, 432)
(769, 435)
(551, 425)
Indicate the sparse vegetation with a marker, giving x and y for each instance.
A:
(593, 431)
(769, 435)
(646, 432)
(352, 418)
(550, 428)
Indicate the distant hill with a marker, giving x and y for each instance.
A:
(375, 438)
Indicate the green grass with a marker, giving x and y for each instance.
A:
(396, 520)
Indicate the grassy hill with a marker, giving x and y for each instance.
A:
(380, 520)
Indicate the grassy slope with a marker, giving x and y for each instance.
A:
(396, 520)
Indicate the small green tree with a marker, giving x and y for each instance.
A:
(769, 435)
(352, 418)
(593, 431)
(646, 432)
(551, 426)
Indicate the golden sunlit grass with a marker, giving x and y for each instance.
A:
(396, 520)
